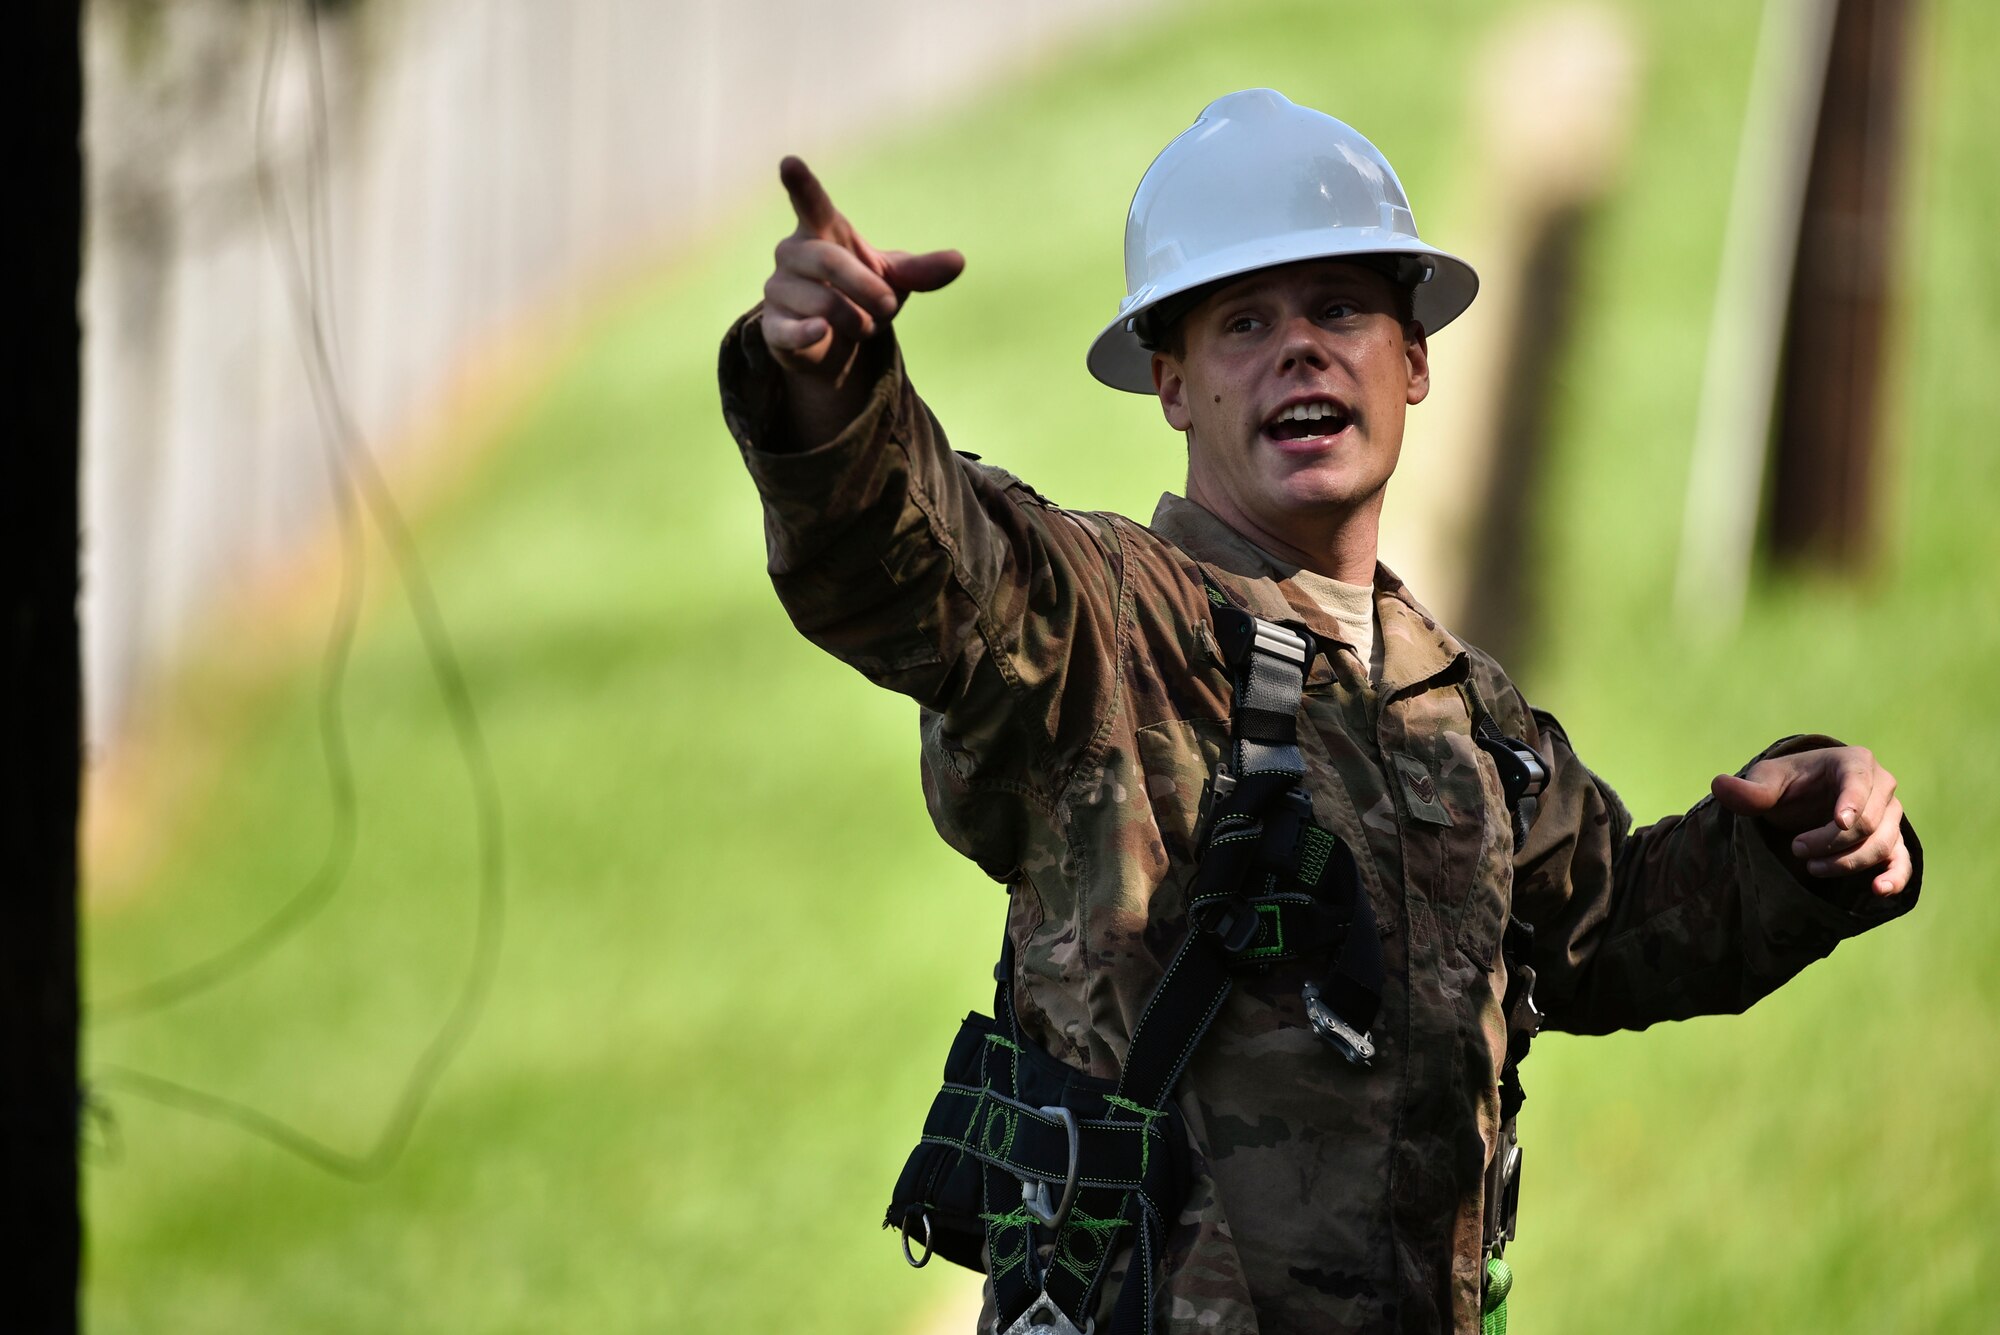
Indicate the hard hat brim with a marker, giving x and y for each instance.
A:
(1120, 360)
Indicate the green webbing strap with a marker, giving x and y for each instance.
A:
(1499, 1283)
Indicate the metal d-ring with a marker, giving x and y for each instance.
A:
(917, 1262)
(1035, 1195)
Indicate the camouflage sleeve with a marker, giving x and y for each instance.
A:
(1693, 915)
(932, 574)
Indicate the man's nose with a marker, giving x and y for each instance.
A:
(1301, 342)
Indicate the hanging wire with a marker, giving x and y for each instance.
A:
(357, 485)
(337, 441)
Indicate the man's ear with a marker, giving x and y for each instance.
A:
(1417, 354)
(1170, 384)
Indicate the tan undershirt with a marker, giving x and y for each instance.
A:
(1352, 607)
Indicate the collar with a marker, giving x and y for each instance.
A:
(1415, 648)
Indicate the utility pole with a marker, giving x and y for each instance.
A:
(1826, 477)
(41, 692)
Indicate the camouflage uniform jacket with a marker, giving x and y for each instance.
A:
(1073, 705)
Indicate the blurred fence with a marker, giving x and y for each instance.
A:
(474, 158)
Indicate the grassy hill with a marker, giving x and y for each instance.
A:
(735, 950)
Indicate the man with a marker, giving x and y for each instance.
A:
(1077, 698)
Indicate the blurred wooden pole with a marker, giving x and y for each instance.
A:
(42, 752)
(1501, 614)
(1549, 99)
(1825, 482)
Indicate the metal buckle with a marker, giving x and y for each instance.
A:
(1035, 1194)
(1524, 1017)
(1279, 641)
(1043, 1317)
(917, 1262)
(1522, 773)
(1349, 1042)
(1238, 634)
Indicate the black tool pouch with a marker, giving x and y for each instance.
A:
(942, 1188)
(1037, 1173)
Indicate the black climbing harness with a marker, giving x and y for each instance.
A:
(1041, 1175)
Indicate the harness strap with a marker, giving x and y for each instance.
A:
(1328, 904)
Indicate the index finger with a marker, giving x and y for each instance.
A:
(815, 211)
(1857, 783)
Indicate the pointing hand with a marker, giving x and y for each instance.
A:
(831, 291)
(1838, 802)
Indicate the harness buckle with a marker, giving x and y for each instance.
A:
(1235, 925)
(1035, 1194)
(1522, 772)
(1342, 1037)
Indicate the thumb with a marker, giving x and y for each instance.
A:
(921, 273)
(1745, 797)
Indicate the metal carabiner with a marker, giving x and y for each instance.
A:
(1349, 1042)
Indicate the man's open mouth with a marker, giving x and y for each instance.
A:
(1304, 421)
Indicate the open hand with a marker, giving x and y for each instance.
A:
(831, 290)
(1838, 802)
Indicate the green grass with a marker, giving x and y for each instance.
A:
(736, 951)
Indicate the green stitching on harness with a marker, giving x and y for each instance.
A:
(1006, 1118)
(1277, 930)
(972, 1122)
(1082, 1223)
(1013, 1058)
(997, 1226)
(1149, 1116)
(1317, 847)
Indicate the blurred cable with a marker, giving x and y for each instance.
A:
(356, 485)
(305, 277)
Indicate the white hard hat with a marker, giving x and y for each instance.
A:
(1258, 181)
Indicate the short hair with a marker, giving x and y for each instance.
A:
(1161, 327)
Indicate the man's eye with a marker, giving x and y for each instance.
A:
(1242, 324)
(1340, 310)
